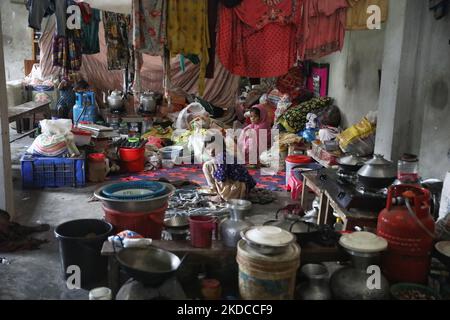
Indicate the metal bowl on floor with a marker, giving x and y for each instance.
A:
(144, 205)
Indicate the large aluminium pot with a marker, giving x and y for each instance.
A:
(377, 173)
(363, 279)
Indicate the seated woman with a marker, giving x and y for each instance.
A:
(227, 180)
(250, 137)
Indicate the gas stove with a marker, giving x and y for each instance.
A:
(349, 194)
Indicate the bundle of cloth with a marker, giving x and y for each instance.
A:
(14, 237)
(56, 139)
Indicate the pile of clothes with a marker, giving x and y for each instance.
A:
(14, 237)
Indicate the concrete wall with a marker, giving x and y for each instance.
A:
(421, 105)
(432, 97)
(354, 79)
(16, 38)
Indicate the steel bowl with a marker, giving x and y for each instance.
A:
(145, 205)
(177, 222)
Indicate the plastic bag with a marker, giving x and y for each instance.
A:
(55, 140)
(194, 113)
(328, 134)
(359, 139)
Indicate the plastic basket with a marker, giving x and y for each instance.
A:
(42, 172)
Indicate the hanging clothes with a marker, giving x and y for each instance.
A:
(357, 14)
(256, 39)
(116, 36)
(38, 9)
(149, 27)
(68, 51)
(323, 28)
(89, 28)
(213, 7)
(188, 32)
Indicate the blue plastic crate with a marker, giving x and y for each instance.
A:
(42, 172)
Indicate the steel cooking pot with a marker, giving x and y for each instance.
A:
(351, 163)
(377, 173)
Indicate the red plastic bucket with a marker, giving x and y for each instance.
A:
(147, 224)
(293, 161)
(201, 228)
(133, 160)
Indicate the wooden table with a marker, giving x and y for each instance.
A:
(26, 110)
(311, 253)
(311, 181)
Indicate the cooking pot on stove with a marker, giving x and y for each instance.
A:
(377, 173)
(148, 102)
(351, 163)
(116, 101)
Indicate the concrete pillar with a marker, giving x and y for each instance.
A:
(395, 110)
(6, 186)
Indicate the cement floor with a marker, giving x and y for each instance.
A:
(37, 274)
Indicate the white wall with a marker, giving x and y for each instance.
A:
(432, 97)
(16, 38)
(354, 80)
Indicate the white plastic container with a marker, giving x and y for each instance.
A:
(168, 164)
(81, 137)
(101, 293)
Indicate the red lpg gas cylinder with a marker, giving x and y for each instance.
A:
(409, 234)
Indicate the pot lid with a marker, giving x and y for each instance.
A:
(379, 160)
(299, 159)
(351, 160)
(364, 242)
(116, 93)
(269, 236)
(443, 247)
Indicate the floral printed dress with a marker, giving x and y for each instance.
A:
(149, 28)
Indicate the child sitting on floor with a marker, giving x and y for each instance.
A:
(249, 139)
(227, 180)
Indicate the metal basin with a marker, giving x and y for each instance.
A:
(145, 205)
(150, 266)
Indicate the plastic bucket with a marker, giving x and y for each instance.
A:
(80, 244)
(201, 228)
(264, 277)
(147, 224)
(133, 160)
(81, 137)
(293, 161)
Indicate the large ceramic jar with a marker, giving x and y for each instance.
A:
(363, 280)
